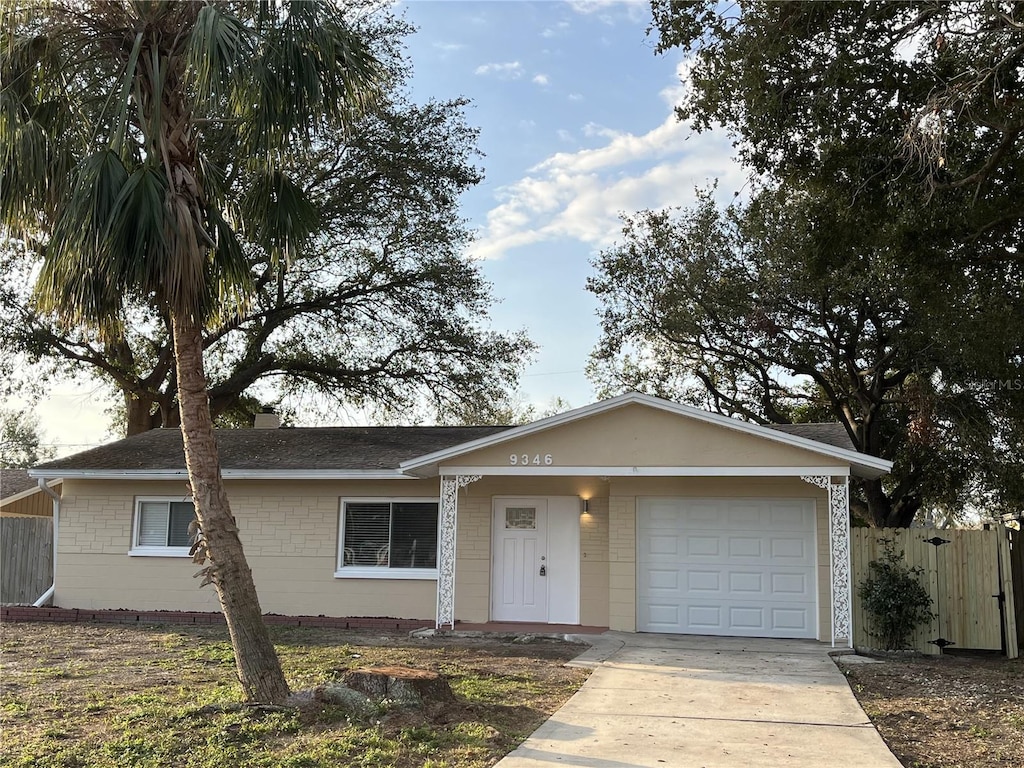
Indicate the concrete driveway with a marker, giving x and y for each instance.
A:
(682, 701)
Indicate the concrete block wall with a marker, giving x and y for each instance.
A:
(594, 564)
(622, 563)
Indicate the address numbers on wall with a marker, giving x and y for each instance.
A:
(525, 459)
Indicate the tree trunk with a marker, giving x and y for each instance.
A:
(259, 669)
(139, 414)
(882, 512)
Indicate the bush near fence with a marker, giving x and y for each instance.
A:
(965, 572)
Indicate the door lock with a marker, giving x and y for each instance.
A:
(543, 570)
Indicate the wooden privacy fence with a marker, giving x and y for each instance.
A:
(26, 558)
(969, 575)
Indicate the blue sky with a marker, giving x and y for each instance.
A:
(575, 116)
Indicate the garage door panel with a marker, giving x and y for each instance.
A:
(703, 581)
(791, 549)
(705, 617)
(746, 583)
(703, 546)
(662, 580)
(701, 514)
(667, 544)
(735, 567)
(741, 517)
(745, 547)
(790, 618)
(783, 517)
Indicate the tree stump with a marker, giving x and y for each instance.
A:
(401, 685)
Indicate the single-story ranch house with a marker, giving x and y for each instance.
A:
(633, 513)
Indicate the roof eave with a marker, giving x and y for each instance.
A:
(227, 474)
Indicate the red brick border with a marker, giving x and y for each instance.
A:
(72, 615)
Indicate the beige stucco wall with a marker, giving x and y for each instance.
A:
(290, 533)
(639, 436)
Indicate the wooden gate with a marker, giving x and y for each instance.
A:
(966, 572)
(26, 558)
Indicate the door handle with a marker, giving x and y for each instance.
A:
(543, 570)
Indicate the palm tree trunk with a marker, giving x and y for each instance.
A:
(259, 669)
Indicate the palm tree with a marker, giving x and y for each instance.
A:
(110, 113)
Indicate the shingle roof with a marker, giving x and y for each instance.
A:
(307, 448)
(829, 433)
(313, 448)
(14, 481)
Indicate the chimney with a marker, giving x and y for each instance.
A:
(269, 420)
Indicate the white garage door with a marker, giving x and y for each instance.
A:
(743, 567)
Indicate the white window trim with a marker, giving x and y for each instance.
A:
(137, 551)
(342, 571)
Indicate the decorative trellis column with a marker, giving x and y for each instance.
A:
(447, 530)
(839, 549)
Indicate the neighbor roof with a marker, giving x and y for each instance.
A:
(14, 481)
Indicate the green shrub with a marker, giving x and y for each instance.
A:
(894, 598)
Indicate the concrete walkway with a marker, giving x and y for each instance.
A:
(682, 701)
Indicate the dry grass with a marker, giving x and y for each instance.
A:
(952, 711)
(97, 695)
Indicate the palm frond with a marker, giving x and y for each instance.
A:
(34, 161)
(219, 50)
(277, 214)
(311, 70)
(229, 274)
(78, 282)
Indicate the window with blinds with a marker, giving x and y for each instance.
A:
(163, 524)
(389, 534)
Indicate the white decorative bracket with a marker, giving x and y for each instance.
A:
(839, 549)
(447, 537)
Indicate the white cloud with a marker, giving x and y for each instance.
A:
(608, 10)
(448, 47)
(541, 79)
(673, 94)
(555, 30)
(575, 97)
(580, 195)
(563, 135)
(507, 70)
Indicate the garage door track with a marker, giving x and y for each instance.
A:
(682, 701)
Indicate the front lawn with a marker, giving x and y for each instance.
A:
(113, 695)
(951, 711)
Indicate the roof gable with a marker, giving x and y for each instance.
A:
(636, 430)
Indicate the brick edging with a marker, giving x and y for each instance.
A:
(75, 615)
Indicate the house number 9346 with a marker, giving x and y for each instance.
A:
(524, 459)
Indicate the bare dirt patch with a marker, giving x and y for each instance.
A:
(100, 695)
(951, 711)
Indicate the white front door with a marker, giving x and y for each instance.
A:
(519, 581)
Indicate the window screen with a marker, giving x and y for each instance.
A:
(401, 534)
(164, 523)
